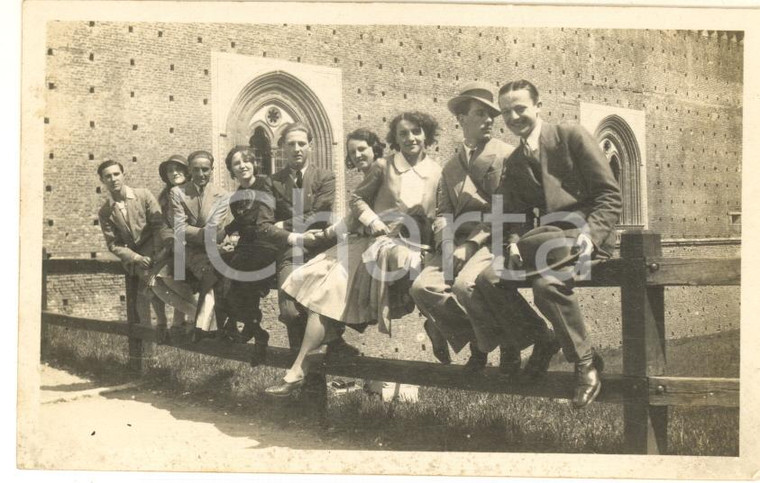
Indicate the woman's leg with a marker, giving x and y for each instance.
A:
(204, 319)
(313, 338)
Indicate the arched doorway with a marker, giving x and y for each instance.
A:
(265, 106)
(621, 148)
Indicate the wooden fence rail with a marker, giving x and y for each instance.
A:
(644, 389)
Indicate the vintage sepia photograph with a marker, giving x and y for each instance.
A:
(358, 238)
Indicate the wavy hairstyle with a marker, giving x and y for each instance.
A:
(372, 140)
(427, 122)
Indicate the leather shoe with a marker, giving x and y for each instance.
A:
(538, 363)
(476, 362)
(509, 362)
(438, 341)
(588, 382)
(285, 389)
(340, 348)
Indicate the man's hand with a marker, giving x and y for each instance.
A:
(306, 240)
(462, 254)
(378, 227)
(144, 262)
(514, 259)
(583, 246)
(280, 224)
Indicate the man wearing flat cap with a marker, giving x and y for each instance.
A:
(468, 181)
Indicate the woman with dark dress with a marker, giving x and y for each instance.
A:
(255, 252)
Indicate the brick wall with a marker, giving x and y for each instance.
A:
(139, 92)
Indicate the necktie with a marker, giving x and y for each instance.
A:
(299, 179)
(533, 163)
(471, 157)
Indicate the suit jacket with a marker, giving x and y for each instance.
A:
(576, 177)
(318, 194)
(191, 212)
(381, 192)
(468, 189)
(140, 234)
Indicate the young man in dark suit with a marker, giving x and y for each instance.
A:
(304, 195)
(468, 181)
(557, 176)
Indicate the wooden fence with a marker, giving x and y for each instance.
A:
(646, 392)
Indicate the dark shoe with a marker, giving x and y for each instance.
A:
(285, 389)
(340, 348)
(588, 382)
(509, 362)
(162, 335)
(259, 354)
(538, 363)
(438, 341)
(477, 361)
(198, 335)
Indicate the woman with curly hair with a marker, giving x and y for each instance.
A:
(368, 280)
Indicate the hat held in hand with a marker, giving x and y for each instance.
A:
(555, 254)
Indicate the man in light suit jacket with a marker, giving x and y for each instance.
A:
(301, 191)
(468, 181)
(558, 170)
(199, 206)
(131, 222)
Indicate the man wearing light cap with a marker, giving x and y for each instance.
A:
(469, 179)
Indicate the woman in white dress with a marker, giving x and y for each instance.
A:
(365, 278)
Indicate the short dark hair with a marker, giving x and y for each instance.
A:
(372, 140)
(295, 126)
(428, 124)
(107, 164)
(245, 152)
(520, 84)
(200, 154)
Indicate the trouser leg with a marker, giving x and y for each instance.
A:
(556, 300)
(292, 314)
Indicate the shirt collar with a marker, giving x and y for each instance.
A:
(303, 171)
(424, 168)
(128, 193)
(535, 135)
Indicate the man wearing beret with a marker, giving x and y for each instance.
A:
(462, 237)
(560, 177)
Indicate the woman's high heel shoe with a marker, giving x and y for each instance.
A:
(285, 389)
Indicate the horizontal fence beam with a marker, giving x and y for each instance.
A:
(662, 391)
(693, 391)
(694, 271)
(70, 266)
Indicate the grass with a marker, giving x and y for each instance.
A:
(442, 420)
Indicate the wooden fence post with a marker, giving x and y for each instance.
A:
(135, 343)
(645, 426)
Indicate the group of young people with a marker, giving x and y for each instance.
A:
(418, 235)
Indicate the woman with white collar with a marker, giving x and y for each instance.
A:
(369, 283)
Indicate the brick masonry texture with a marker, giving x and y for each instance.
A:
(139, 92)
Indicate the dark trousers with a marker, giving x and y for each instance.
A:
(553, 297)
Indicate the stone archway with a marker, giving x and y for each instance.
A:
(280, 92)
(622, 150)
(621, 134)
(254, 98)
